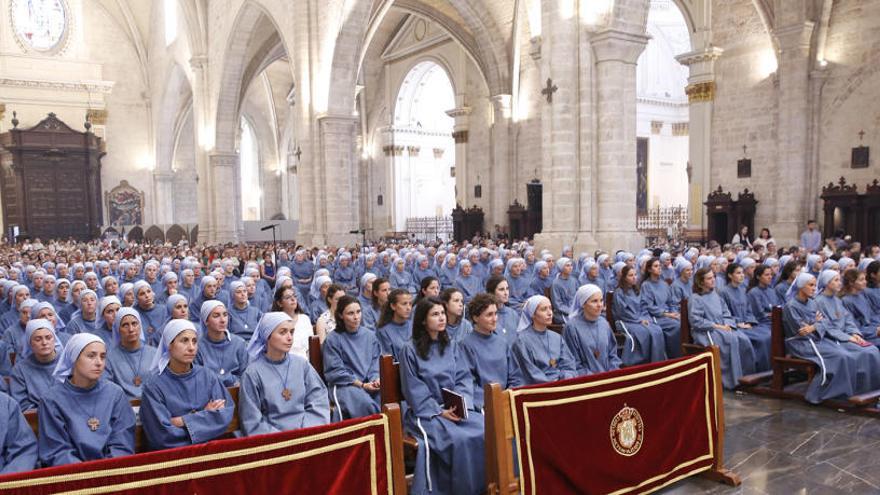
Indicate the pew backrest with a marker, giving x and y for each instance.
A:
(609, 309)
(316, 357)
(390, 390)
(777, 333)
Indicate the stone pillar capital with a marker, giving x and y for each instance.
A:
(502, 106)
(337, 124)
(701, 63)
(221, 159)
(198, 62)
(163, 175)
(794, 38)
(459, 112)
(612, 45)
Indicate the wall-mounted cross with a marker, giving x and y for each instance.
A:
(745, 148)
(861, 135)
(297, 153)
(549, 90)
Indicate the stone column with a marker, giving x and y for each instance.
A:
(163, 183)
(818, 78)
(701, 96)
(226, 195)
(204, 141)
(792, 196)
(339, 212)
(616, 56)
(500, 168)
(461, 115)
(560, 119)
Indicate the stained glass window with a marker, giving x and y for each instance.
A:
(39, 23)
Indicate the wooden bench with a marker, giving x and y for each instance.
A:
(316, 357)
(619, 336)
(782, 364)
(390, 392)
(140, 439)
(500, 475)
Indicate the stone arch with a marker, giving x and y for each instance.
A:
(484, 46)
(176, 103)
(154, 233)
(194, 233)
(278, 216)
(436, 59)
(175, 234)
(236, 66)
(136, 234)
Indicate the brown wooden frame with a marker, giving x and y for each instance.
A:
(500, 477)
(316, 357)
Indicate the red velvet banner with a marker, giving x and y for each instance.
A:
(629, 431)
(352, 457)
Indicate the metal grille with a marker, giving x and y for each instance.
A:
(429, 228)
(663, 223)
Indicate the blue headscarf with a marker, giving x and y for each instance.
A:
(123, 312)
(799, 283)
(59, 323)
(32, 327)
(205, 312)
(528, 311)
(268, 323)
(172, 329)
(172, 300)
(71, 353)
(583, 294)
(824, 279)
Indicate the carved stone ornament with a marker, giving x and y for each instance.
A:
(704, 91)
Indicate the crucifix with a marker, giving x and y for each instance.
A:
(549, 90)
(861, 135)
(744, 150)
(297, 153)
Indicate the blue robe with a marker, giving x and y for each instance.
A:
(31, 380)
(459, 330)
(644, 343)
(370, 315)
(592, 344)
(677, 291)
(169, 395)
(508, 320)
(562, 294)
(782, 291)
(654, 297)
(350, 357)
(469, 286)
(740, 309)
(262, 407)
(447, 276)
(490, 360)
(860, 308)
(228, 358)
(403, 280)
(345, 277)
(78, 324)
(737, 353)
(18, 445)
(457, 458)
(152, 320)
(845, 369)
(542, 357)
(762, 300)
(243, 322)
(14, 336)
(539, 285)
(393, 337)
(5, 363)
(519, 290)
(873, 295)
(124, 365)
(65, 436)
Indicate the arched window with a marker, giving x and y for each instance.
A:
(423, 185)
(169, 8)
(662, 110)
(249, 159)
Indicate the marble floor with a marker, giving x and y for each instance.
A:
(789, 447)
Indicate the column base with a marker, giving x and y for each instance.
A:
(787, 233)
(555, 241)
(615, 240)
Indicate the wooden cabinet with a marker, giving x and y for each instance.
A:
(50, 176)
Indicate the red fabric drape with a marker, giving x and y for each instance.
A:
(566, 431)
(343, 458)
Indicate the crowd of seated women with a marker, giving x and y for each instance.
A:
(175, 330)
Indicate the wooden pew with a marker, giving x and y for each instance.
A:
(619, 336)
(395, 434)
(390, 392)
(688, 347)
(782, 363)
(501, 478)
(316, 357)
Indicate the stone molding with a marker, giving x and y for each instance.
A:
(459, 112)
(102, 87)
(97, 117)
(614, 45)
(460, 136)
(708, 54)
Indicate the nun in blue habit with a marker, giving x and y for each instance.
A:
(18, 445)
(645, 340)
(344, 275)
(712, 324)
(279, 391)
(32, 374)
(207, 291)
(860, 309)
(563, 289)
(541, 354)
(588, 335)
(518, 282)
(219, 350)
(185, 403)
(394, 328)
(448, 272)
(153, 315)
(735, 297)
(654, 297)
(243, 316)
(351, 363)
(811, 336)
(487, 351)
(450, 457)
(317, 304)
(466, 282)
(14, 334)
(82, 417)
(683, 286)
(401, 278)
(80, 321)
(129, 357)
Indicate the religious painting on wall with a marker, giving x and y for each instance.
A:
(125, 205)
(642, 174)
(860, 157)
